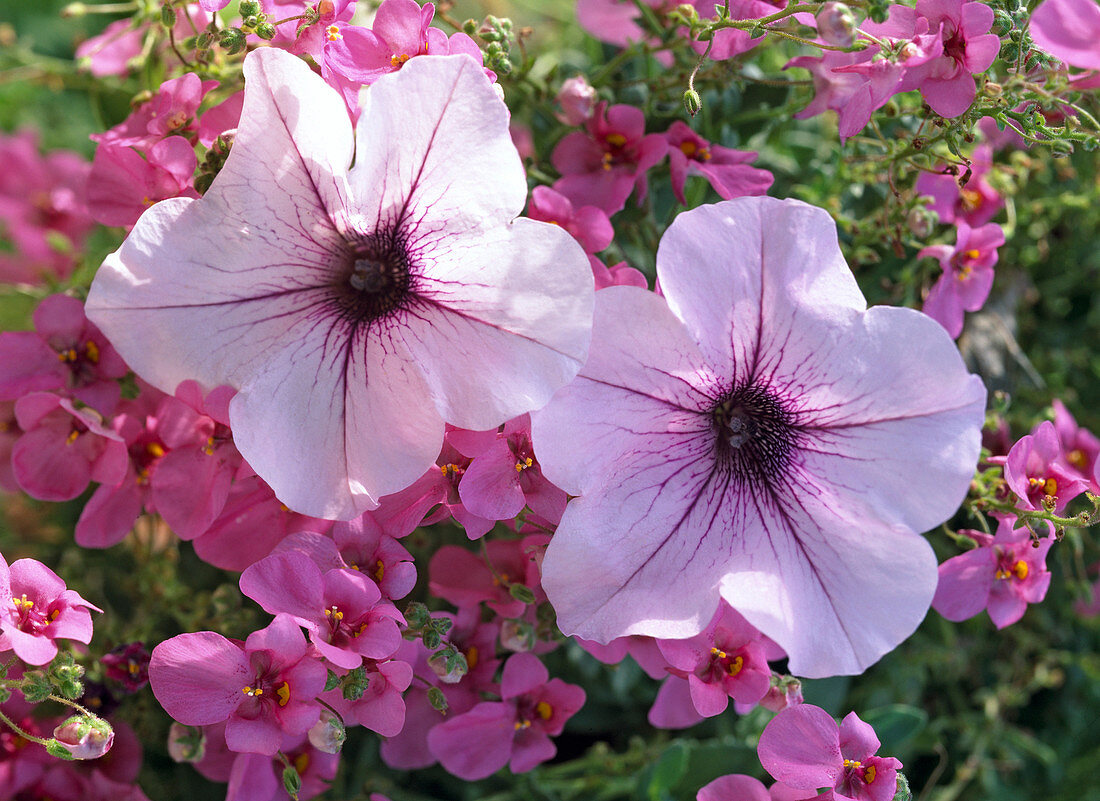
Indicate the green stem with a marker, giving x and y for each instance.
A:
(26, 735)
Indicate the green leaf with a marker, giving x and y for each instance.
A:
(895, 725)
(668, 771)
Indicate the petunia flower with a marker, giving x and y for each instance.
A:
(354, 310)
(36, 608)
(804, 748)
(760, 437)
(1068, 29)
(967, 274)
(1003, 575)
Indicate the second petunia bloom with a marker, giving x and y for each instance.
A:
(355, 309)
(761, 437)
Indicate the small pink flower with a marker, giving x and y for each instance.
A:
(577, 101)
(128, 665)
(975, 203)
(85, 737)
(36, 609)
(462, 577)
(515, 731)
(124, 182)
(727, 170)
(589, 225)
(804, 748)
(619, 274)
(603, 164)
(1080, 446)
(172, 110)
(1003, 575)
(737, 787)
(967, 274)
(851, 84)
(264, 688)
(382, 707)
(1036, 468)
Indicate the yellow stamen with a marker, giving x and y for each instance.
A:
(688, 148)
(91, 350)
(869, 774)
(332, 33)
(301, 762)
(54, 615)
(1077, 458)
(545, 710)
(23, 603)
(334, 613)
(1020, 569)
(283, 692)
(972, 254)
(521, 466)
(209, 449)
(133, 668)
(379, 570)
(616, 140)
(398, 60)
(606, 160)
(718, 653)
(69, 440)
(522, 724)
(472, 657)
(155, 450)
(252, 692)
(852, 763)
(735, 665)
(970, 199)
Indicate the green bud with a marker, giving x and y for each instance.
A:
(167, 16)
(292, 782)
(265, 30)
(129, 387)
(204, 40)
(431, 639)
(416, 615)
(903, 792)
(331, 681)
(437, 700)
(56, 749)
(442, 624)
(1060, 148)
(469, 27)
(5, 694)
(251, 21)
(232, 40)
(355, 683)
(249, 8)
(522, 593)
(692, 102)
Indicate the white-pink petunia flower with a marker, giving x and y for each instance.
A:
(761, 437)
(354, 309)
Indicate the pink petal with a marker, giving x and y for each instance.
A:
(198, 678)
(965, 583)
(490, 486)
(734, 787)
(801, 747)
(475, 744)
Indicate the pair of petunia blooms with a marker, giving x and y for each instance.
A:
(754, 432)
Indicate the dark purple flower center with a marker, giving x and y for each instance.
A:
(755, 434)
(378, 278)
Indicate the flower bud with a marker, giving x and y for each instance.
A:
(232, 40)
(186, 743)
(249, 8)
(785, 691)
(836, 24)
(437, 699)
(517, 636)
(265, 30)
(85, 736)
(577, 100)
(692, 102)
(167, 16)
(328, 734)
(292, 782)
(920, 221)
(450, 667)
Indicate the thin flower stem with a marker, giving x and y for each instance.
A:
(26, 735)
(327, 706)
(74, 705)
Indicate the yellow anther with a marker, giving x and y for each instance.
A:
(972, 253)
(970, 199)
(23, 603)
(735, 665)
(963, 273)
(154, 449)
(545, 710)
(54, 615)
(379, 570)
(284, 507)
(852, 763)
(398, 60)
(334, 613)
(133, 668)
(688, 148)
(147, 201)
(301, 762)
(718, 653)
(252, 692)
(606, 160)
(69, 440)
(471, 657)
(1020, 569)
(521, 466)
(616, 140)
(209, 447)
(283, 692)
(332, 33)
(522, 724)
(869, 774)
(91, 350)
(1077, 458)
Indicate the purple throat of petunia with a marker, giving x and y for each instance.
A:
(376, 278)
(755, 435)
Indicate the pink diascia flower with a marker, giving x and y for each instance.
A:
(738, 787)
(726, 169)
(354, 310)
(264, 687)
(962, 48)
(967, 274)
(805, 749)
(760, 437)
(514, 731)
(1036, 469)
(1003, 574)
(1068, 29)
(976, 202)
(36, 609)
(577, 101)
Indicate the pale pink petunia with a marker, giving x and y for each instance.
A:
(354, 310)
(772, 442)
(1070, 30)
